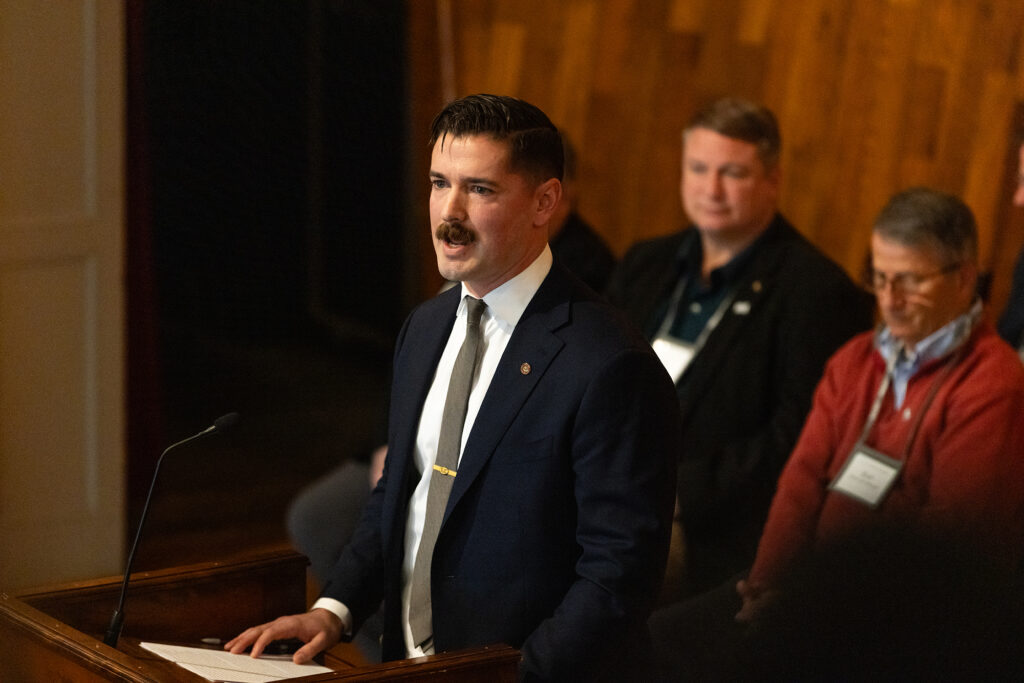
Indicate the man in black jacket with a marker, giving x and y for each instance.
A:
(527, 492)
(743, 311)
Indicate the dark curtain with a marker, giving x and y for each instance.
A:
(265, 217)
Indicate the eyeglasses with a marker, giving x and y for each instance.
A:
(907, 282)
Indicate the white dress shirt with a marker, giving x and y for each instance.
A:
(505, 305)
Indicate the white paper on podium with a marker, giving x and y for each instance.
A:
(218, 665)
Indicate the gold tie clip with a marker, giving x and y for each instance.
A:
(444, 470)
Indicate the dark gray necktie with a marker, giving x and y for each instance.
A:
(449, 444)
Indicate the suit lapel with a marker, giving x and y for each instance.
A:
(430, 329)
(529, 353)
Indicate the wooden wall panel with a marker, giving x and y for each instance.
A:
(873, 96)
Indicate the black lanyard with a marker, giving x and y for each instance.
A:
(709, 326)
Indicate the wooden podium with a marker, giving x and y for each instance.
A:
(55, 633)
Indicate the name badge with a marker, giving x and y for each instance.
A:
(867, 475)
(674, 354)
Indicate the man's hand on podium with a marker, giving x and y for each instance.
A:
(318, 629)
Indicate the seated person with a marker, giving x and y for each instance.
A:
(917, 423)
(921, 419)
(743, 311)
(573, 242)
(321, 519)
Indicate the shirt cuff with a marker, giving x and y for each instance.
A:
(339, 610)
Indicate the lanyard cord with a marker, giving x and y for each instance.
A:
(709, 326)
(951, 363)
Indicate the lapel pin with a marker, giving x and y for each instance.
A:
(525, 368)
(741, 307)
(756, 285)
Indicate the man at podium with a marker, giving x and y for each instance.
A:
(528, 490)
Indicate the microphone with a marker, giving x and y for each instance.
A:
(222, 423)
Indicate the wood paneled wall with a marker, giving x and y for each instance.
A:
(873, 96)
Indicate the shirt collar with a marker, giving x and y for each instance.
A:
(690, 259)
(939, 343)
(508, 301)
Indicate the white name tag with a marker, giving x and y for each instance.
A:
(867, 475)
(675, 355)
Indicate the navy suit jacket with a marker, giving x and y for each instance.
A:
(556, 532)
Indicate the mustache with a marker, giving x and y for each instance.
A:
(454, 233)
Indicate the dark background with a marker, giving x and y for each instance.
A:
(266, 275)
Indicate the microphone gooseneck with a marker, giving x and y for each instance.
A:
(221, 424)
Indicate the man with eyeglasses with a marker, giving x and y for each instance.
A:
(920, 421)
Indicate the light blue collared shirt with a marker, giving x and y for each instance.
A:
(903, 363)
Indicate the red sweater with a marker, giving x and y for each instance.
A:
(964, 471)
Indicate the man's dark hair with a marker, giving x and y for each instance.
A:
(744, 120)
(535, 145)
(921, 217)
